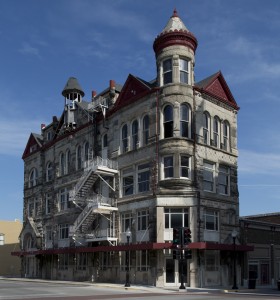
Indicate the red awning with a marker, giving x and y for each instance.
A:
(133, 247)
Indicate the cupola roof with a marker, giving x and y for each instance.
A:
(71, 86)
(175, 33)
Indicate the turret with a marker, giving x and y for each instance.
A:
(175, 53)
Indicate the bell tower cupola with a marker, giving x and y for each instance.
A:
(175, 53)
(72, 90)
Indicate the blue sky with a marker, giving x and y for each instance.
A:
(43, 43)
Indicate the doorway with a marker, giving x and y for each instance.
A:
(172, 272)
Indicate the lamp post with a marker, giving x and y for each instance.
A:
(127, 280)
(234, 235)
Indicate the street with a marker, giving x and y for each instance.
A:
(35, 290)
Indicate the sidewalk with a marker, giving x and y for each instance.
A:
(152, 289)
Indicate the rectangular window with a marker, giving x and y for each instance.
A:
(168, 167)
(126, 221)
(211, 220)
(142, 219)
(184, 71)
(63, 261)
(63, 231)
(167, 71)
(208, 176)
(176, 217)
(128, 185)
(211, 260)
(142, 260)
(48, 233)
(106, 261)
(48, 204)
(81, 261)
(185, 166)
(64, 199)
(2, 239)
(223, 180)
(144, 178)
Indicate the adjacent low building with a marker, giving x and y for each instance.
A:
(9, 242)
(106, 183)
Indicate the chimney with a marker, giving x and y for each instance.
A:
(93, 95)
(112, 88)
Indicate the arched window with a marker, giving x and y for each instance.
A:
(206, 128)
(62, 164)
(105, 141)
(226, 135)
(67, 161)
(33, 177)
(135, 139)
(146, 125)
(86, 152)
(216, 132)
(124, 138)
(49, 171)
(78, 158)
(185, 128)
(168, 121)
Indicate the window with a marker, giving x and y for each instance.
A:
(216, 132)
(86, 152)
(62, 164)
(168, 167)
(176, 217)
(105, 141)
(78, 158)
(211, 260)
(33, 177)
(63, 261)
(81, 261)
(105, 258)
(49, 171)
(124, 138)
(206, 128)
(128, 182)
(135, 139)
(184, 120)
(67, 160)
(63, 199)
(211, 220)
(142, 260)
(2, 239)
(126, 221)
(146, 125)
(48, 204)
(30, 208)
(223, 180)
(63, 231)
(168, 121)
(226, 136)
(167, 71)
(208, 176)
(184, 71)
(142, 219)
(143, 178)
(49, 234)
(185, 166)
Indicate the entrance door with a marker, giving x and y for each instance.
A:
(172, 272)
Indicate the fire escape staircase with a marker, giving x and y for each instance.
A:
(92, 204)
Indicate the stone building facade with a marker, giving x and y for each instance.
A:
(142, 158)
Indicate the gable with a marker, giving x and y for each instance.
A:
(132, 90)
(217, 87)
(32, 145)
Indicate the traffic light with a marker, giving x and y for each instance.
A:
(188, 254)
(187, 236)
(176, 237)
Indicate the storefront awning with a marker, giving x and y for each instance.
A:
(219, 246)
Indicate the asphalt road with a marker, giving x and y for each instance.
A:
(47, 290)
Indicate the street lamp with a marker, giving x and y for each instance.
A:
(234, 235)
(127, 281)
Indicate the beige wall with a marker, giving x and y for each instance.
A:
(10, 265)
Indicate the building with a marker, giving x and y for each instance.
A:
(263, 233)
(106, 183)
(9, 242)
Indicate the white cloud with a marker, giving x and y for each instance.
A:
(26, 48)
(258, 163)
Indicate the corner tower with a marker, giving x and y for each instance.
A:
(175, 53)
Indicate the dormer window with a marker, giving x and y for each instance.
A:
(167, 71)
(184, 70)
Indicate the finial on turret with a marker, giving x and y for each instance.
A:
(175, 14)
